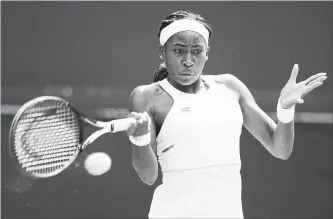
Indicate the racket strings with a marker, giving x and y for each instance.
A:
(47, 137)
(42, 139)
(45, 158)
(46, 150)
(42, 144)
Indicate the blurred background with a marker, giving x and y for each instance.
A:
(95, 53)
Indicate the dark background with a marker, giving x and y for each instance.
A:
(102, 50)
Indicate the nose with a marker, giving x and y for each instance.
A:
(188, 62)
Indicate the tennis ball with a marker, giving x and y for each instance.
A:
(97, 163)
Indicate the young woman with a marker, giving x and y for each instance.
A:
(191, 124)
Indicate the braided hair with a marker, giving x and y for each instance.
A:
(161, 72)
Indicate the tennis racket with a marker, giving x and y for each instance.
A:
(46, 135)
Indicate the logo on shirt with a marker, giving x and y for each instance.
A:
(168, 148)
(186, 109)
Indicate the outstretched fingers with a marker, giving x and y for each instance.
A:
(315, 78)
(313, 86)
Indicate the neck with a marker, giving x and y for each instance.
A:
(194, 88)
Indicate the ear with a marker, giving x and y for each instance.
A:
(162, 53)
(208, 48)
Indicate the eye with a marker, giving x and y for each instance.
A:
(178, 50)
(197, 51)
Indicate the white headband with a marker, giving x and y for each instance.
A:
(183, 25)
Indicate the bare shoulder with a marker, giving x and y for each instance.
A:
(226, 78)
(235, 84)
(230, 81)
(143, 96)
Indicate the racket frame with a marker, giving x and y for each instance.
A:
(105, 127)
(23, 109)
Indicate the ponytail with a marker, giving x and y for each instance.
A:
(160, 73)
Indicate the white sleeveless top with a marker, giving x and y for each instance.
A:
(200, 129)
(198, 150)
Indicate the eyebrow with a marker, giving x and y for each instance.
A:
(183, 45)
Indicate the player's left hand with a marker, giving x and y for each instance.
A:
(293, 93)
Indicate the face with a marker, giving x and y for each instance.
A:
(185, 54)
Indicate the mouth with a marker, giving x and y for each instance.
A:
(187, 74)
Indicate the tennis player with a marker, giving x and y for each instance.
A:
(191, 124)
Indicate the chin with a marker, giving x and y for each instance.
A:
(186, 81)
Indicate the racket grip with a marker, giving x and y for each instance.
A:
(120, 125)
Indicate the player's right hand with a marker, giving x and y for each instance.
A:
(141, 126)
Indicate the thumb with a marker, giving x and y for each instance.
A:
(300, 100)
(134, 115)
(294, 74)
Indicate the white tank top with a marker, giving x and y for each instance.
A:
(201, 129)
(198, 150)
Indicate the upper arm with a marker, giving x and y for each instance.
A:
(255, 120)
(141, 101)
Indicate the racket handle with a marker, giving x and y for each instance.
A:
(120, 125)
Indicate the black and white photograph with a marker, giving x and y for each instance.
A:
(166, 109)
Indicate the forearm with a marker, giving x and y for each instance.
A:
(283, 140)
(145, 163)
